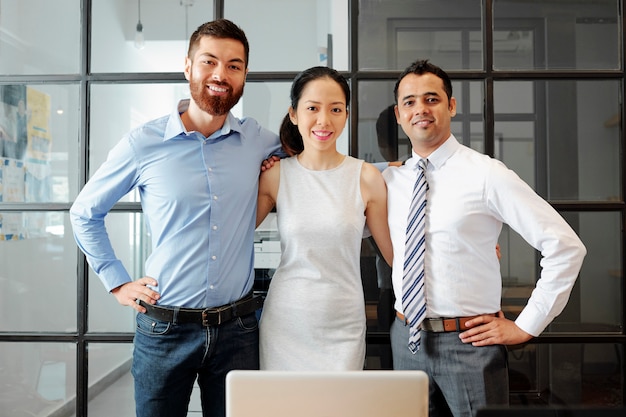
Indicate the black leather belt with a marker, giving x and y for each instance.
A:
(212, 316)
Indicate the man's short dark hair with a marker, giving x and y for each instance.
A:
(221, 29)
(422, 67)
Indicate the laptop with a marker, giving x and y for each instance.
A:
(372, 393)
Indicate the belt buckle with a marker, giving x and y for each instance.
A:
(214, 310)
(434, 325)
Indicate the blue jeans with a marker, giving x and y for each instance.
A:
(169, 357)
(462, 377)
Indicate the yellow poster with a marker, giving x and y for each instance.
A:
(39, 140)
(38, 176)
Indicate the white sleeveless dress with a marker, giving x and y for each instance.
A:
(314, 313)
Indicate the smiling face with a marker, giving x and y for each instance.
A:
(216, 74)
(424, 111)
(321, 114)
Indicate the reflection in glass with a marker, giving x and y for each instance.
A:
(601, 278)
(515, 146)
(467, 125)
(37, 379)
(600, 281)
(394, 33)
(379, 310)
(584, 140)
(516, 48)
(556, 34)
(514, 97)
(544, 129)
(516, 128)
(378, 132)
(34, 43)
(315, 33)
(477, 135)
(41, 295)
(519, 271)
(589, 375)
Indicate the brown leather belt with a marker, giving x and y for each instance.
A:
(440, 325)
(212, 316)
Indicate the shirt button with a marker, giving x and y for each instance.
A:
(211, 287)
(214, 257)
(214, 227)
(210, 169)
(214, 197)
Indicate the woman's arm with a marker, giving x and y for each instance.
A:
(268, 188)
(374, 192)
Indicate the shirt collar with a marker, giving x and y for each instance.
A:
(176, 128)
(439, 156)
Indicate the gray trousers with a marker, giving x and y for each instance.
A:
(462, 378)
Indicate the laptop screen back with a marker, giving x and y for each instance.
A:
(327, 394)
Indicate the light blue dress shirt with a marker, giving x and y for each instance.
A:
(198, 196)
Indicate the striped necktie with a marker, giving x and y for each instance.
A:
(413, 294)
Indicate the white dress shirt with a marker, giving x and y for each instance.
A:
(470, 196)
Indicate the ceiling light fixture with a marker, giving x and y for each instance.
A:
(186, 3)
(140, 41)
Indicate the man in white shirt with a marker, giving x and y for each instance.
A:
(470, 196)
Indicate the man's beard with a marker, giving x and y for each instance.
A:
(214, 105)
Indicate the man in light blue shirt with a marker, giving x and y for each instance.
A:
(197, 172)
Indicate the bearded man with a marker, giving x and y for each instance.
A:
(196, 171)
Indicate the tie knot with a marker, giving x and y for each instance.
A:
(422, 164)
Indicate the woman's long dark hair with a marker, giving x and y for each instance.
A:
(289, 135)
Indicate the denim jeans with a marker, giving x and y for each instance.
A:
(169, 357)
(462, 377)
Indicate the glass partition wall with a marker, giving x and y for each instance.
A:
(539, 85)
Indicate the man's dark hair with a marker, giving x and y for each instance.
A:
(422, 67)
(221, 29)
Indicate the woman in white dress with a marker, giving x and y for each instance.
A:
(314, 313)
